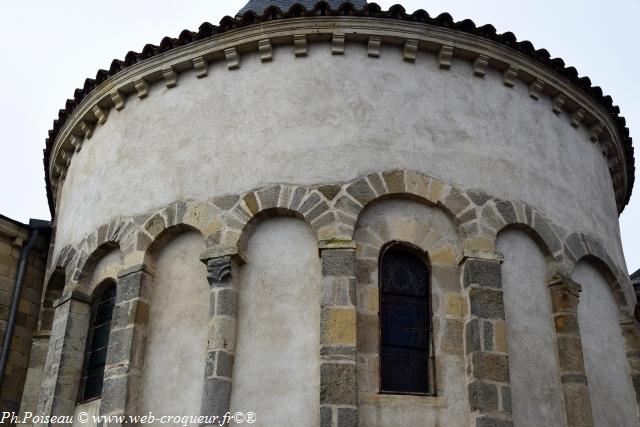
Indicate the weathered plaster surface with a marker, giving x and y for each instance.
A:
(177, 341)
(533, 363)
(612, 395)
(91, 409)
(277, 365)
(321, 118)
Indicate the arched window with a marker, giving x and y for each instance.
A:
(406, 344)
(97, 342)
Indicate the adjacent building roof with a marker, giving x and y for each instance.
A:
(635, 278)
(258, 6)
(364, 9)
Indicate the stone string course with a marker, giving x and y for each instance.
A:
(94, 109)
(472, 326)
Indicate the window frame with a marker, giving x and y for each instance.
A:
(431, 362)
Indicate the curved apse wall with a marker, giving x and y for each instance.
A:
(178, 326)
(606, 363)
(277, 360)
(533, 362)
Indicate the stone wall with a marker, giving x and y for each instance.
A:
(13, 236)
(349, 221)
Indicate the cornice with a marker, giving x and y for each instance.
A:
(421, 34)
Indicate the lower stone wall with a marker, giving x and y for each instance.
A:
(13, 236)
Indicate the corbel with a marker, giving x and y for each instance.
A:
(444, 56)
(142, 88)
(373, 47)
(232, 57)
(410, 50)
(535, 89)
(337, 44)
(265, 49)
(557, 103)
(61, 171)
(170, 77)
(509, 76)
(595, 131)
(300, 44)
(87, 129)
(66, 156)
(76, 141)
(100, 113)
(201, 67)
(118, 100)
(577, 116)
(480, 65)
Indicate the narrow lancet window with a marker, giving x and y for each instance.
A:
(405, 321)
(97, 342)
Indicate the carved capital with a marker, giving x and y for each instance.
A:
(565, 295)
(218, 269)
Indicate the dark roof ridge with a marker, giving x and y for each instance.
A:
(322, 8)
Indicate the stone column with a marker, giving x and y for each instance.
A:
(65, 357)
(223, 309)
(125, 355)
(487, 357)
(338, 390)
(564, 303)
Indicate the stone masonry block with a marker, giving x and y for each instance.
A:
(339, 262)
(339, 326)
(216, 396)
(490, 366)
(483, 396)
(361, 191)
(394, 181)
(269, 197)
(472, 336)
(347, 417)
(338, 383)
(227, 302)
(486, 303)
(488, 421)
(482, 273)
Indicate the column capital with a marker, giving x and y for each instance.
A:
(336, 244)
(468, 254)
(72, 295)
(564, 285)
(218, 269)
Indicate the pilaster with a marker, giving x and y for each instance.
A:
(223, 309)
(338, 389)
(486, 352)
(127, 339)
(565, 295)
(65, 356)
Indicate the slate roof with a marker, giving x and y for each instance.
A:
(258, 6)
(322, 8)
(635, 277)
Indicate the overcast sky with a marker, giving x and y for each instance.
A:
(50, 47)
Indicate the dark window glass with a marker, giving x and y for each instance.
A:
(405, 322)
(97, 344)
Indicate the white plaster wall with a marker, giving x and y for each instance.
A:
(536, 393)
(178, 327)
(277, 364)
(325, 118)
(612, 396)
(91, 409)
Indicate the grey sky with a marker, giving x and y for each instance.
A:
(49, 48)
